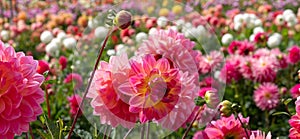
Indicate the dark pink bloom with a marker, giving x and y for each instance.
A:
(42, 67)
(240, 47)
(294, 122)
(261, 37)
(294, 55)
(74, 102)
(230, 72)
(74, 77)
(20, 92)
(63, 61)
(295, 91)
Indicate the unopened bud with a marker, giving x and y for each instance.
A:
(226, 108)
(123, 19)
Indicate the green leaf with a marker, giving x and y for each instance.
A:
(280, 113)
(287, 101)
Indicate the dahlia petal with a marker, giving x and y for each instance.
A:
(26, 109)
(137, 100)
(163, 64)
(2, 105)
(125, 88)
(8, 107)
(4, 126)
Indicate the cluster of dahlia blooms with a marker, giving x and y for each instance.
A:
(20, 92)
(157, 85)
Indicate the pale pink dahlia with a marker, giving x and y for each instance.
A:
(208, 62)
(106, 101)
(173, 46)
(226, 127)
(295, 91)
(20, 92)
(295, 122)
(294, 54)
(259, 135)
(266, 96)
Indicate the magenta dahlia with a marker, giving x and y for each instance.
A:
(20, 92)
(295, 122)
(295, 91)
(240, 47)
(294, 54)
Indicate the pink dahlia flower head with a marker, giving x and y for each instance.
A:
(209, 62)
(20, 92)
(259, 135)
(159, 92)
(225, 127)
(266, 96)
(294, 122)
(241, 47)
(173, 46)
(230, 71)
(295, 91)
(107, 103)
(74, 103)
(294, 54)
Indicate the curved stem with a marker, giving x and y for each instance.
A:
(126, 135)
(47, 102)
(90, 81)
(248, 137)
(190, 126)
(143, 131)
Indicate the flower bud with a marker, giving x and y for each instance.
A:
(226, 109)
(211, 98)
(123, 19)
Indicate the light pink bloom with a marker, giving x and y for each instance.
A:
(74, 102)
(259, 135)
(208, 62)
(20, 92)
(264, 69)
(107, 102)
(266, 96)
(173, 46)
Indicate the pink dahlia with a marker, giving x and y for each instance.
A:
(43, 66)
(240, 47)
(173, 46)
(294, 122)
(208, 62)
(266, 96)
(63, 61)
(295, 91)
(230, 72)
(74, 102)
(294, 55)
(74, 77)
(261, 37)
(20, 92)
(158, 90)
(259, 135)
(264, 69)
(112, 108)
(226, 127)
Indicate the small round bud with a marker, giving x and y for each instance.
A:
(123, 19)
(211, 98)
(226, 109)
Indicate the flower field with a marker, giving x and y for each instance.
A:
(143, 69)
